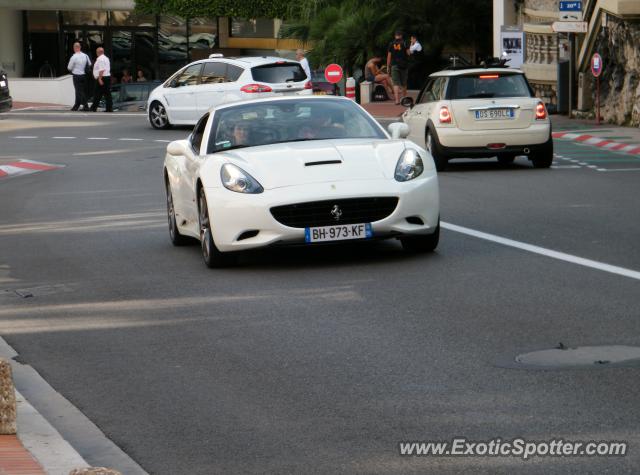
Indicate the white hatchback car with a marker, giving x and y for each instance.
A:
(193, 90)
(478, 113)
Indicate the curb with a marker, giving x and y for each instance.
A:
(633, 149)
(58, 449)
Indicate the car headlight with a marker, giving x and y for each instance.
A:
(236, 179)
(409, 165)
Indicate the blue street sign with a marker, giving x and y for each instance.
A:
(570, 6)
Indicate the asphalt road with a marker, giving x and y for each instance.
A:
(319, 360)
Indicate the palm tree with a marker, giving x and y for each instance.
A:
(349, 33)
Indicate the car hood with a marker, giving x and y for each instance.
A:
(317, 161)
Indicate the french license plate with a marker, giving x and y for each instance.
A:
(3, 84)
(495, 114)
(340, 232)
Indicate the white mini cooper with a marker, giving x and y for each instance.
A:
(478, 113)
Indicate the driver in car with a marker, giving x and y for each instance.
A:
(240, 134)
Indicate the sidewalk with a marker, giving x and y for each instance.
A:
(20, 106)
(15, 459)
(384, 110)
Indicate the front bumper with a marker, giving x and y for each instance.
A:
(233, 214)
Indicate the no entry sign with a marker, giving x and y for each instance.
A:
(596, 65)
(333, 73)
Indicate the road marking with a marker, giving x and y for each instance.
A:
(573, 167)
(97, 138)
(581, 261)
(163, 141)
(618, 169)
(63, 137)
(25, 137)
(102, 152)
(131, 140)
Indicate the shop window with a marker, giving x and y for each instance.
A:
(172, 44)
(89, 17)
(42, 21)
(253, 28)
(132, 19)
(203, 33)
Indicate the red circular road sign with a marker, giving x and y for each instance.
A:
(333, 73)
(596, 64)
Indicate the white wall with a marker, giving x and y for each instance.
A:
(11, 52)
(50, 91)
(504, 13)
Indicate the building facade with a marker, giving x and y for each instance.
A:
(36, 37)
(613, 30)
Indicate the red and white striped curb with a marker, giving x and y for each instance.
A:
(24, 167)
(598, 142)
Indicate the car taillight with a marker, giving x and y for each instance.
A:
(445, 115)
(308, 85)
(251, 88)
(541, 111)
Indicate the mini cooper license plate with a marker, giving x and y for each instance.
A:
(340, 232)
(495, 114)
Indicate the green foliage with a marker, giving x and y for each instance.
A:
(351, 31)
(229, 8)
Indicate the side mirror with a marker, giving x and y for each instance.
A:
(176, 148)
(398, 130)
(407, 102)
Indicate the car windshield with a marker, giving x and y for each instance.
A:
(489, 85)
(295, 120)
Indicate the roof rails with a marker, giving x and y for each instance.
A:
(456, 63)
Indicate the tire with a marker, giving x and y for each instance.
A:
(213, 258)
(177, 239)
(433, 147)
(544, 157)
(158, 117)
(506, 159)
(423, 243)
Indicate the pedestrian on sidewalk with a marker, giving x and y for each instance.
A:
(304, 62)
(398, 64)
(102, 74)
(78, 66)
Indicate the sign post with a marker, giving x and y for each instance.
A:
(570, 10)
(333, 74)
(596, 70)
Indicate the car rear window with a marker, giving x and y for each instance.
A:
(485, 85)
(279, 73)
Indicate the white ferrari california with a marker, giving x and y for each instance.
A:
(298, 170)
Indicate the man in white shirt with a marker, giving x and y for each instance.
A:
(77, 66)
(415, 47)
(416, 63)
(304, 62)
(102, 74)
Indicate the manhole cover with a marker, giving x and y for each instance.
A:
(580, 357)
